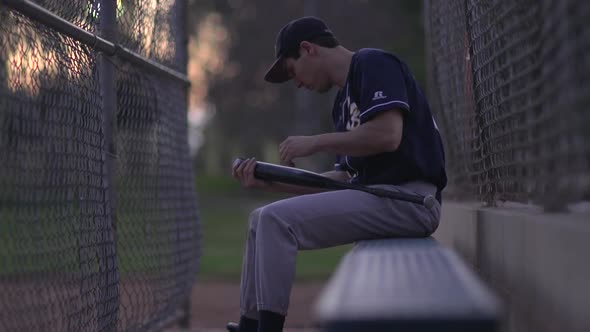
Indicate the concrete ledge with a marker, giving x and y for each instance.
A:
(537, 262)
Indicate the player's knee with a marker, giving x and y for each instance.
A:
(273, 216)
(254, 218)
(274, 226)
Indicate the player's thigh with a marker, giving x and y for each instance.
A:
(344, 216)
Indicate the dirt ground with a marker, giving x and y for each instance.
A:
(214, 303)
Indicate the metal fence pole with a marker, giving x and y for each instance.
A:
(181, 58)
(110, 275)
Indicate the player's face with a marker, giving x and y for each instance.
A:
(307, 72)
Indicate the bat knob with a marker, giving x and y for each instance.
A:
(237, 162)
(429, 202)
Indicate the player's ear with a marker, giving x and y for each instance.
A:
(307, 47)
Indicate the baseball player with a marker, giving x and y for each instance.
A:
(385, 136)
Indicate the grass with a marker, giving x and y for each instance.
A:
(43, 244)
(41, 241)
(32, 242)
(224, 208)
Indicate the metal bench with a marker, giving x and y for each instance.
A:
(405, 285)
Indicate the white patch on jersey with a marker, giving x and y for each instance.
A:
(354, 120)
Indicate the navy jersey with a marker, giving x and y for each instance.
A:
(378, 81)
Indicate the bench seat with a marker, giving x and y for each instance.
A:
(405, 285)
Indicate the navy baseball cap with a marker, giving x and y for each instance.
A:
(288, 41)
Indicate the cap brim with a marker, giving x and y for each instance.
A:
(277, 72)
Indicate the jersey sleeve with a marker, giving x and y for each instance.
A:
(343, 165)
(340, 164)
(381, 86)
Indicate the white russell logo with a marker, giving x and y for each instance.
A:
(379, 95)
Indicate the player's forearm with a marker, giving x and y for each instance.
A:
(358, 142)
(381, 134)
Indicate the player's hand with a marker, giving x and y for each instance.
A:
(244, 173)
(295, 147)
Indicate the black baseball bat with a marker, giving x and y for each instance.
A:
(296, 176)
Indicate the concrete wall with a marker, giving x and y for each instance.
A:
(538, 263)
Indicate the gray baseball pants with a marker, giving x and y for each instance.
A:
(278, 230)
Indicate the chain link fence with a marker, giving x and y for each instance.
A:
(509, 84)
(147, 27)
(99, 228)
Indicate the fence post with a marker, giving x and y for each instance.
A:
(179, 30)
(109, 292)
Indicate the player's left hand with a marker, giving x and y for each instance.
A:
(295, 147)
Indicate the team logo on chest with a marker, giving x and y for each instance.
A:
(354, 114)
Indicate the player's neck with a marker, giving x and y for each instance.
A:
(339, 64)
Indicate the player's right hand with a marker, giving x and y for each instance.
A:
(244, 172)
